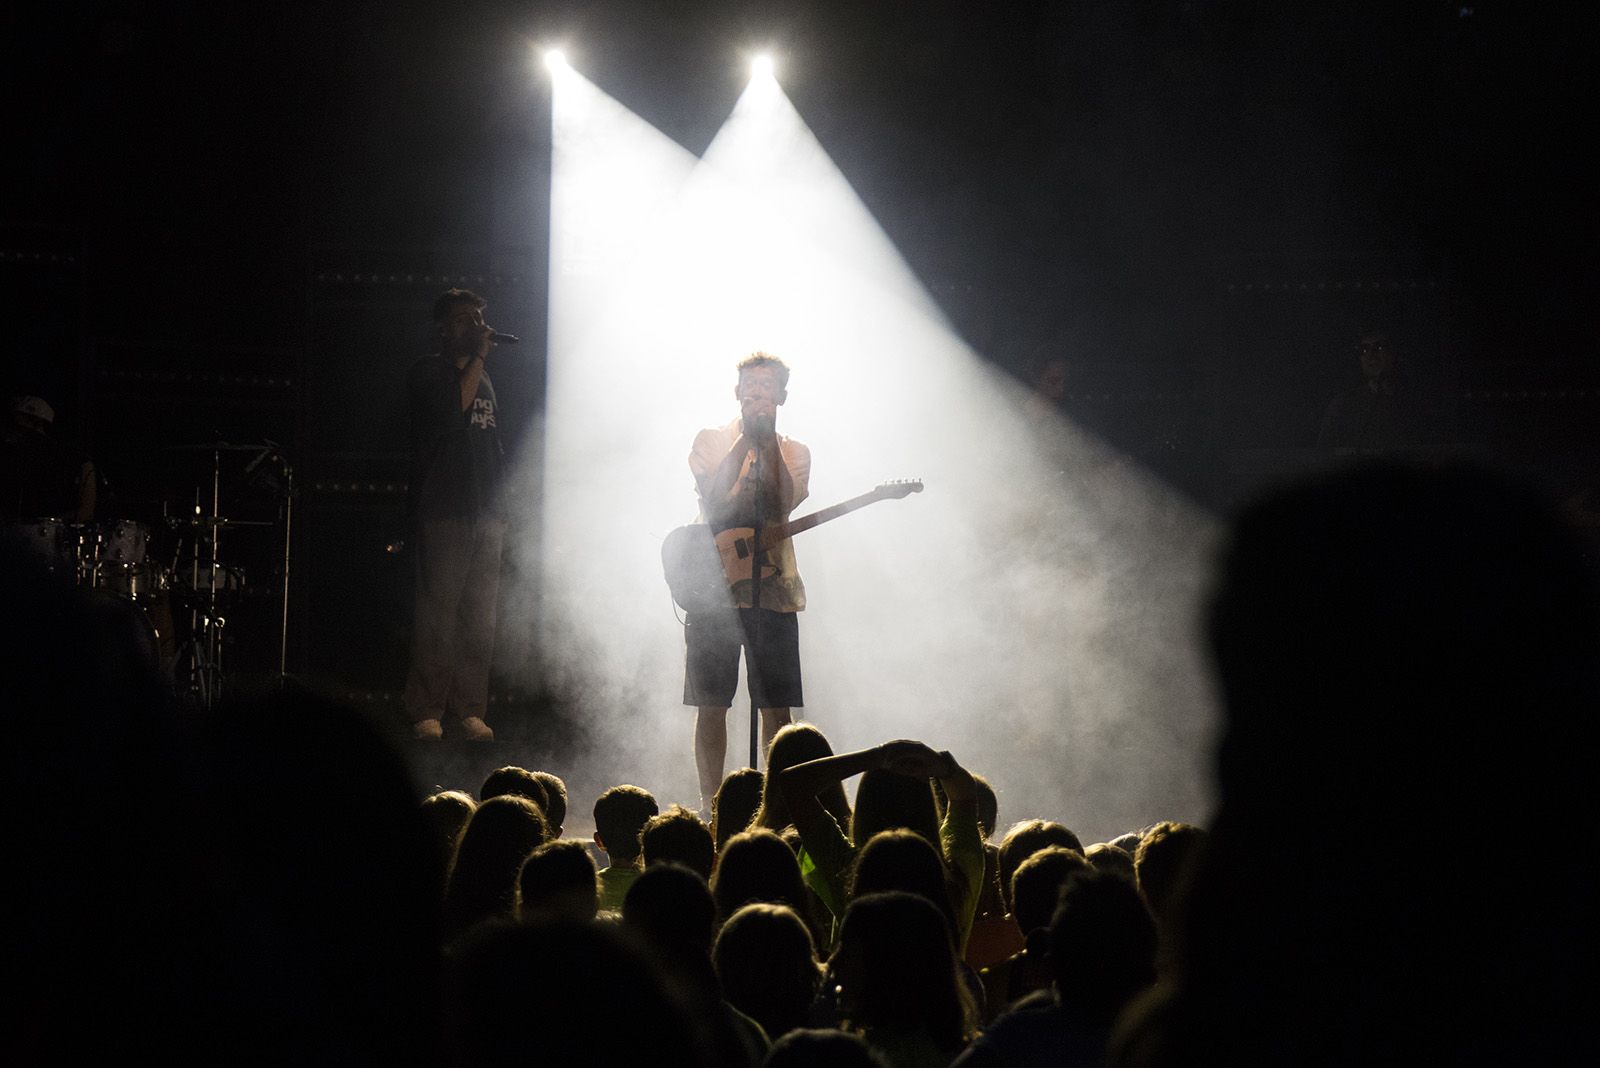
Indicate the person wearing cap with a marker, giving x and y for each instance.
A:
(41, 476)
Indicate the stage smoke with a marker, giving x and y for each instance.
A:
(1032, 611)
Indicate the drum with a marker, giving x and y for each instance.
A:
(137, 582)
(123, 542)
(65, 547)
(138, 632)
(219, 579)
(123, 561)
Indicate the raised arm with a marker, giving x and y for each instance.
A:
(956, 780)
(961, 841)
(802, 783)
(469, 377)
(716, 485)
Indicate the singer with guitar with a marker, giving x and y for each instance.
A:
(746, 475)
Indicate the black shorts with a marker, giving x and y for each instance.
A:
(711, 667)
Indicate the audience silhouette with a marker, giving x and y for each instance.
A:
(1405, 654)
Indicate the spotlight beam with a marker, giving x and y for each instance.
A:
(1038, 595)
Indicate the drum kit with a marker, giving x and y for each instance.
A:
(170, 574)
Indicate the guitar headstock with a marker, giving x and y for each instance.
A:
(893, 491)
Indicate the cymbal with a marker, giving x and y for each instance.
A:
(219, 446)
(215, 521)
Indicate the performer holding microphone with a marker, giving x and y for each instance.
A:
(746, 475)
(458, 521)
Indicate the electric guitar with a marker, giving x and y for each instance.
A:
(702, 568)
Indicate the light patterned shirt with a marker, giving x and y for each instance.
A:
(782, 591)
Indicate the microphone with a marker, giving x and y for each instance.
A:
(497, 338)
(759, 424)
(268, 447)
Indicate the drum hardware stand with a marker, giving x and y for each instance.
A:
(199, 672)
(271, 451)
(200, 657)
(286, 513)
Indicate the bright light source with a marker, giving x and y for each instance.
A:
(556, 60)
(761, 66)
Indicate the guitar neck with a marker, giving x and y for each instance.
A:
(770, 536)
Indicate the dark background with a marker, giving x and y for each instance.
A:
(227, 224)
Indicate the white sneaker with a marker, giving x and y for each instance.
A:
(477, 730)
(427, 730)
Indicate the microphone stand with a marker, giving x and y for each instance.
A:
(288, 532)
(753, 632)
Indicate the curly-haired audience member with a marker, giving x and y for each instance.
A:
(446, 814)
(559, 880)
(679, 835)
(1102, 946)
(516, 782)
(1023, 839)
(555, 807)
(619, 815)
(1035, 888)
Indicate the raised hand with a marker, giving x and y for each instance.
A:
(916, 759)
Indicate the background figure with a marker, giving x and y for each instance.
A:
(1401, 652)
(1380, 411)
(567, 993)
(815, 1048)
(326, 880)
(458, 524)
(39, 475)
(1101, 952)
(109, 869)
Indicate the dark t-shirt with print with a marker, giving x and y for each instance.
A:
(456, 462)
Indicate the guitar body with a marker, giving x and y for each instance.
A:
(736, 549)
(693, 565)
(703, 568)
